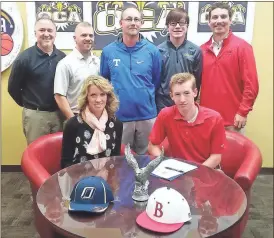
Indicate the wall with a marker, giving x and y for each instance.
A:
(260, 121)
(13, 140)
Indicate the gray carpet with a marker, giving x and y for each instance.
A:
(17, 220)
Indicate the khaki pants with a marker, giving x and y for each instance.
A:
(38, 123)
(136, 134)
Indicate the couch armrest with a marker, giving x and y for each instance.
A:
(249, 169)
(34, 171)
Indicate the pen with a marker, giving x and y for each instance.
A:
(177, 170)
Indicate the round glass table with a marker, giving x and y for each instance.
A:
(217, 202)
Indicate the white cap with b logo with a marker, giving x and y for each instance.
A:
(166, 211)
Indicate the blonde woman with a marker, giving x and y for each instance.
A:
(95, 132)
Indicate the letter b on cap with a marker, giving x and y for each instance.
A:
(158, 212)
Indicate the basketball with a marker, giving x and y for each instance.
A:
(6, 44)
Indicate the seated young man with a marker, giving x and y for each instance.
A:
(194, 133)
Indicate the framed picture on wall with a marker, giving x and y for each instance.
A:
(66, 15)
(238, 18)
(242, 20)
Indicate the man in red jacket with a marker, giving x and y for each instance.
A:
(229, 76)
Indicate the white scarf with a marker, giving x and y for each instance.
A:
(98, 141)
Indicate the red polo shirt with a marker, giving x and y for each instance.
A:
(190, 141)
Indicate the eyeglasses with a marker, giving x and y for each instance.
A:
(136, 20)
(181, 23)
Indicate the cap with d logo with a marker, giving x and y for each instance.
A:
(166, 211)
(90, 194)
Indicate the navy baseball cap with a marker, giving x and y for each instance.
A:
(90, 194)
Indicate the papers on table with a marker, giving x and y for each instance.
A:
(170, 169)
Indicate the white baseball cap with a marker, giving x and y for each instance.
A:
(167, 210)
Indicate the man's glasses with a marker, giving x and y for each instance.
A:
(181, 23)
(136, 20)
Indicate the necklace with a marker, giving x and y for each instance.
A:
(195, 116)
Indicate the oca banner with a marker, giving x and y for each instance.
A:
(65, 15)
(105, 16)
(238, 18)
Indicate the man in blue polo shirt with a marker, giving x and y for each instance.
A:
(133, 65)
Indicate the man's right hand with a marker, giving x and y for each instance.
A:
(64, 106)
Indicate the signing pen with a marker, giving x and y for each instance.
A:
(177, 170)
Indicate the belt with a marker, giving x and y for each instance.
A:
(42, 109)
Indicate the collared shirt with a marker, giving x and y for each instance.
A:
(194, 141)
(32, 78)
(70, 74)
(217, 46)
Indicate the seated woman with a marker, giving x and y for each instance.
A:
(95, 132)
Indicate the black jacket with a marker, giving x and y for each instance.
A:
(78, 134)
(187, 58)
